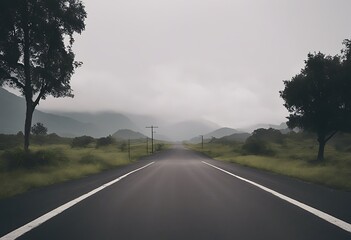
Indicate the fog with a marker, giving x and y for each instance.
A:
(222, 61)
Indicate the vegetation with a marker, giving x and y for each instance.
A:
(55, 160)
(35, 56)
(39, 129)
(291, 155)
(319, 98)
(82, 141)
(105, 141)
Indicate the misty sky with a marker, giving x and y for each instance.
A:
(219, 60)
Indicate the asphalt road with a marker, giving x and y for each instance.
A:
(180, 197)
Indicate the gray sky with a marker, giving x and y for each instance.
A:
(220, 60)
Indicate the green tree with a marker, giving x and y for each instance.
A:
(316, 98)
(36, 38)
(39, 129)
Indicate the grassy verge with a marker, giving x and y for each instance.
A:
(59, 162)
(292, 158)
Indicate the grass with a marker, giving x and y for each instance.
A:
(63, 163)
(292, 158)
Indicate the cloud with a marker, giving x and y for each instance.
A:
(219, 60)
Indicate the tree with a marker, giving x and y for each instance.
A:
(316, 98)
(104, 141)
(39, 129)
(82, 141)
(36, 38)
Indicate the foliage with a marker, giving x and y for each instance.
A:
(259, 142)
(318, 98)
(77, 162)
(104, 141)
(39, 129)
(270, 135)
(35, 56)
(159, 146)
(82, 141)
(123, 146)
(10, 141)
(90, 159)
(257, 147)
(18, 158)
(294, 158)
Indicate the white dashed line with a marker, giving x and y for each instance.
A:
(333, 220)
(35, 223)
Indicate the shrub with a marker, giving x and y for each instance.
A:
(82, 141)
(90, 159)
(123, 146)
(104, 141)
(39, 129)
(160, 146)
(257, 147)
(18, 158)
(10, 141)
(269, 135)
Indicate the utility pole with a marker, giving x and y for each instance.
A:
(152, 137)
(202, 141)
(147, 145)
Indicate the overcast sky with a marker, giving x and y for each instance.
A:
(219, 60)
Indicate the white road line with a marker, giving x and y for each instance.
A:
(35, 223)
(333, 220)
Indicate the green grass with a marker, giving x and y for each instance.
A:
(74, 163)
(292, 158)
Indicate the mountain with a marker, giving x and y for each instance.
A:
(125, 134)
(221, 132)
(187, 129)
(12, 109)
(142, 121)
(239, 137)
(251, 128)
(106, 122)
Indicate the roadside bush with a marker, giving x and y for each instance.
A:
(269, 135)
(82, 141)
(342, 142)
(90, 159)
(10, 141)
(104, 141)
(123, 146)
(51, 138)
(18, 158)
(160, 146)
(257, 147)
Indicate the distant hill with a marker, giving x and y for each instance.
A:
(12, 109)
(125, 134)
(106, 122)
(221, 132)
(187, 129)
(251, 128)
(239, 137)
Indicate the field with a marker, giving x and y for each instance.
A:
(57, 162)
(294, 156)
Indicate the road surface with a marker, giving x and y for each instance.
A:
(180, 195)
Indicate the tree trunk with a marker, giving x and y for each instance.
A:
(28, 125)
(320, 156)
(28, 93)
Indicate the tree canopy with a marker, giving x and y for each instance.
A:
(318, 98)
(39, 129)
(36, 38)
